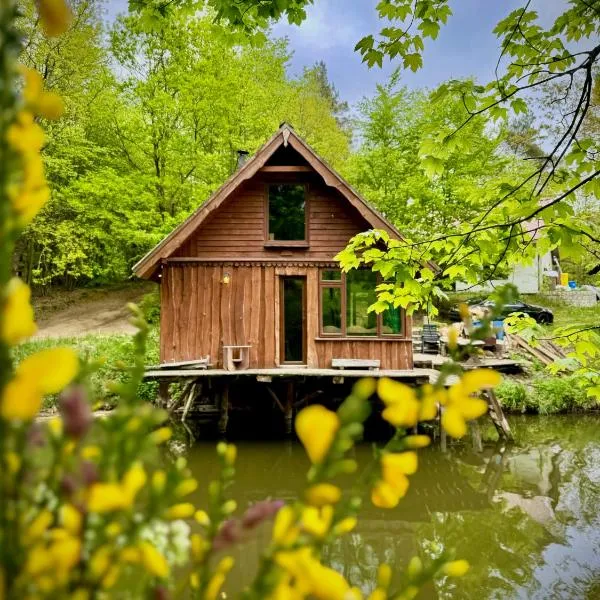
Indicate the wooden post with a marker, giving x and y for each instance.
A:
(443, 444)
(289, 407)
(224, 409)
(476, 436)
(163, 393)
(497, 415)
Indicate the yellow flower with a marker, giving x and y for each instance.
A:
(186, 487)
(71, 519)
(13, 462)
(401, 401)
(55, 426)
(180, 511)
(323, 493)
(328, 584)
(461, 406)
(100, 561)
(202, 518)
(26, 136)
(385, 495)
(316, 427)
(415, 567)
(154, 562)
(456, 568)
(91, 452)
(384, 576)
(159, 479)
(161, 435)
(39, 525)
(55, 16)
(417, 441)
(17, 319)
(285, 531)
(199, 547)
(51, 369)
(317, 521)
(112, 530)
(395, 465)
(110, 579)
(345, 526)
(105, 497)
(133, 481)
(130, 554)
(66, 553)
(50, 106)
(218, 579)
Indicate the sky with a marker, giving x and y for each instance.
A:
(465, 47)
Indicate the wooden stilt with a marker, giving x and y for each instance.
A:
(497, 415)
(224, 409)
(443, 439)
(195, 391)
(289, 407)
(275, 398)
(163, 393)
(476, 436)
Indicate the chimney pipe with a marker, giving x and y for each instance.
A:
(242, 157)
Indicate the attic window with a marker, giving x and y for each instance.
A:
(287, 212)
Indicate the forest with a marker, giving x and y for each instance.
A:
(157, 108)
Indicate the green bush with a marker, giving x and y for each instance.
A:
(106, 353)
(150, 305)
(545, 395)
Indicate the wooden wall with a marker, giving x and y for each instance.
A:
(200, 314)
(237, 229)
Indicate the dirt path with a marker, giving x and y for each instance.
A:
(80, 312)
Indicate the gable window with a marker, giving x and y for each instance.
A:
(287, 212)
(345, 300)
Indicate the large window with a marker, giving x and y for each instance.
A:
(345, 299)
(287, 212)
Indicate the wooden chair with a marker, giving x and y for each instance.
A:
(431, 340)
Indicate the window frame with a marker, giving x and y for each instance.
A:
(341, 284)
(287, 243)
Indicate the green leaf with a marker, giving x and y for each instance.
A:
(413, 61)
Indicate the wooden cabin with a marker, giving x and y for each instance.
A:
(253, 270)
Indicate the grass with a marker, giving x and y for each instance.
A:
(565, 314)
(109, 353)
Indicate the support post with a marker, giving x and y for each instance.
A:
(497, 415)
(476, 436)
(224, 409)
(163, 393)
(289, 407)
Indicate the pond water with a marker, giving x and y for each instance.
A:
(526, 516)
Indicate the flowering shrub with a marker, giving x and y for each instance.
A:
(93, 509)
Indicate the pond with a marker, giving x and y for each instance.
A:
(526, 516)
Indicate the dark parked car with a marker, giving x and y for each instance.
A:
(539, 313)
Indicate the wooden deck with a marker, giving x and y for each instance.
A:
(413, 375)
(435, 361)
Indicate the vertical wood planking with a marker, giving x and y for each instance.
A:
(312, 316)
(255, 314)
(269, 337)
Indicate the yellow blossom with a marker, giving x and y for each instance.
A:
(26, 136)
(194, 581)
(12, 461)
(159, 479)
(133, 481)
(384, 576)
(230, 454)
(199, 547)
(153, 560)
(316, 427)
(323, 493)
(345, 526)
(317, 521)
(161, 435)
(51, 369)
(130, 554)
(66, 553)
(417, 441)
(396, 464)
(91, 452)
(71, 519)
(402, 407)
(50, 106)
(17, 321)
(180, 511)
(456, 568)
(39, 525)
(55, 16)
(55, 425)
(285, 531)
(186, 487)
(415, 567)
(112, 530)
(100, 561)
(38, 560)
(202, 518)
(385, 495)
(110, 579)
(218, 579)
(105, 497)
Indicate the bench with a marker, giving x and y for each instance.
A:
(355, 363)
(236, 358)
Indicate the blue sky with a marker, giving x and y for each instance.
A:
(465, 47)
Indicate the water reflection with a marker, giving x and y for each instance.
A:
(525, 516)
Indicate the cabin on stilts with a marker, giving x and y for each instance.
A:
(250, 277)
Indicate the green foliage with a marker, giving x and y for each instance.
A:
(155, 114)
(106, 355)
(545, 395)
(150, 306)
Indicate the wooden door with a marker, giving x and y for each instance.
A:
(292, 332)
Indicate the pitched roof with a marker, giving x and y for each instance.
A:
(284, 136)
